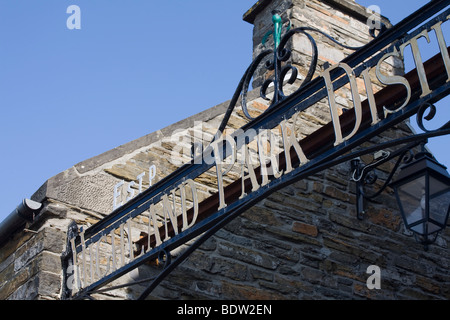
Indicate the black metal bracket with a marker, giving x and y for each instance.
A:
(67, 262)
(280, 54)
(363, 174)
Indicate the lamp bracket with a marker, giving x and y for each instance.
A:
(363, 174)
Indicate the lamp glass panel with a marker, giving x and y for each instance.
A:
(412, 198)
(439, 200)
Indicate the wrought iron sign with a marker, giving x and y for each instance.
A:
(289, 160)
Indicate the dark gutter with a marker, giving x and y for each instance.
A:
(24, 213)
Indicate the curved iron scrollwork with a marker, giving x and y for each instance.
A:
(280, 54)
(431, 113)
(165, 257)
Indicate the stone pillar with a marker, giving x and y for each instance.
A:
(344, 20)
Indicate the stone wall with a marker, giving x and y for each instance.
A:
(30, 265)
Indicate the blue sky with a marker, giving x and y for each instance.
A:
(134, 67)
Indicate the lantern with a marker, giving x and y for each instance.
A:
(422, 190)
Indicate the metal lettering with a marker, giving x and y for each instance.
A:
(246, 162)
(139, 177)
(268, 158)
(130, 242)
(108, 259)
(418, 60)
(191, 183)
(151, 174)
(219, 161)
(152, 220)
(122, 245)
(442, 47)
(97, 259)
(183, 207)
(130, 190)
(91, 264)
(219, 173)
(391, 80)
(289, 140)
(113, 250)
(117, 194)
(83, 257)
(170, 212)
(332, 101)
(370, 96)
(118, 188)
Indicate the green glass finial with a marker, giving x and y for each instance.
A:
(277, 25)
(277, 29)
